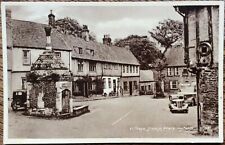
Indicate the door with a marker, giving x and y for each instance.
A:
(65, 100)
(130, 87)
(114, 86)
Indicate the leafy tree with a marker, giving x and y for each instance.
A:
(167, 33)
(143, 49)
(72, 27)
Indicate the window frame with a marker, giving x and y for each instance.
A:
(172, 85)
(27, 58)
(80, 66)
(92, 66)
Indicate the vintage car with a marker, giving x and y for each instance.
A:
(19, 100)
(177, 104)
(189, 97)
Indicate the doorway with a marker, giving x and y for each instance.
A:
(130, 87)
(65, 100)
(114, 86)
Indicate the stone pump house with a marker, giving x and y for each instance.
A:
(49, 83)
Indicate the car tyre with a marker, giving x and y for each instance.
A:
(14, 106)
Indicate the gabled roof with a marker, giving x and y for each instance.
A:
(175, 56)
(147, 76)
(32, 35)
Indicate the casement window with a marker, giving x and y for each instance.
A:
(26, 57)
(92, 66)
(127, 68)
(24, 83)
(131, 69)
(174, 84)
(136, 69)
(58, 54)
(176, 71)
(109, 83)
(169, 71)
(92, 52)
(135, 85)
(185, 72)
(80, 66)
(104, 83)
(124, 68)
(125, 86)
(80, 50)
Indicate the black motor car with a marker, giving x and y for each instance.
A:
(19, 100)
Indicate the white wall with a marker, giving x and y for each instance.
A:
(129, 73)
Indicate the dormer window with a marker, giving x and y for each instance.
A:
(80, 50)
(91, 52)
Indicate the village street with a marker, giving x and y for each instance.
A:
(126, 117)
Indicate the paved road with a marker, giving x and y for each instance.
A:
(139, 116)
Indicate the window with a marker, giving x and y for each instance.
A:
(142, 88)
(173, 84)
(24, 82)
(80, 66)
(135, 85)
(123, 68)
(125, 86)
(91, 52)
(176, 71)
(169, 71)
(116, 66)
(185, 72)
(104, 83)
(105, 66)
(127, 68)
(136, 69)
(149, 87)
(26, 57)
(133, 69)
(92, 66)
(80, 50)
(58, 54)
(109, 82)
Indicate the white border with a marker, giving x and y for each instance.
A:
(115, 140)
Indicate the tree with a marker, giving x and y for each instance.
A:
(72, 27)
(167, 33)
(143, 49)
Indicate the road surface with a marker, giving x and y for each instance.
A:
(125, 117)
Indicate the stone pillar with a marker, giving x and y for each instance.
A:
(208, 94)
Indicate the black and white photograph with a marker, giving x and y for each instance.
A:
(113, 72)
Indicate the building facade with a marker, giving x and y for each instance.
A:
(97, 68)
(176, 74)
(147, 82)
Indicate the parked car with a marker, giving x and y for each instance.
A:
(189, 97)
(177, 104)
(19, 100)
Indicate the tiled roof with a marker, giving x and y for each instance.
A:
(31, 34)
(147, 76)
(175, 56)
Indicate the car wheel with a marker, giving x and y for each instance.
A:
(14, 106)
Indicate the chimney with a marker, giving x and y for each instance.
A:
(107, 40)
(8, 14)
(85, 33)
(51, 19)
(48, 36)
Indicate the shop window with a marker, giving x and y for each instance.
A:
(26, 57)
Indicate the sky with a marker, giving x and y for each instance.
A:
(117, 21)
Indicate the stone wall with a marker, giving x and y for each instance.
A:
(208, 93)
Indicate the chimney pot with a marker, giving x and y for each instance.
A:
(51, 19)
(107, 40)
(85, 33)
